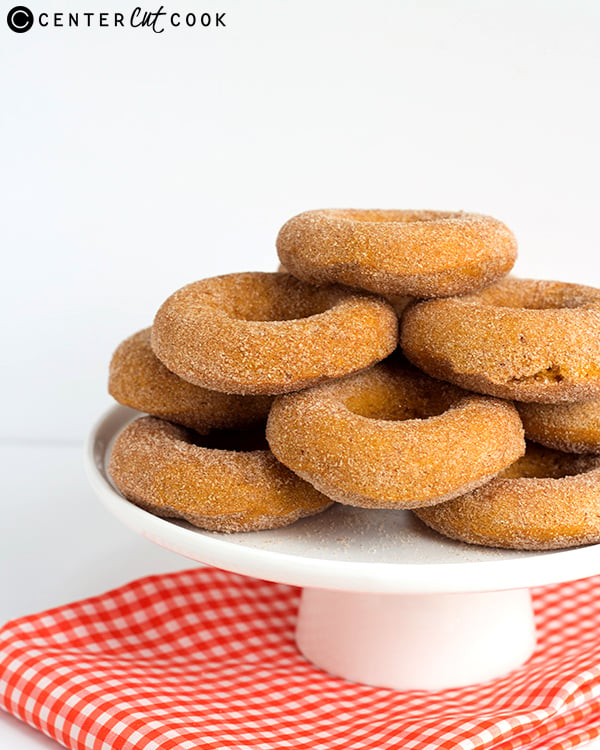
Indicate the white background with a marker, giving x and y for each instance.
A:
(132, 163)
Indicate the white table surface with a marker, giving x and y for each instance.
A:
(49, 557)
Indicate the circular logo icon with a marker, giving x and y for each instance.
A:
(19, 19)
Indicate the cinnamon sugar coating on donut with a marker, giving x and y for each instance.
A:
(519, 339)
(574, 428)
(546, 500)
(137, 378)
(397, 252)
(164, 468)
(390, 437)
(268, 333)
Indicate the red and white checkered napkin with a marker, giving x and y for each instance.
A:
(206, 659)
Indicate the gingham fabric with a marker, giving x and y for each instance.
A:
(206, 659)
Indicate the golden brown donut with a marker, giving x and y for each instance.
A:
(519, 339)
(166, 469)
(270, 333)
(574, 428)
(546, 500)
(414, 253)
(137, 378)
(390, 437)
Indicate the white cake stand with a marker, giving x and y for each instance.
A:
(385, 600)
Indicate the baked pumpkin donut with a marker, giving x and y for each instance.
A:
(268, 333)
(137, 378)
(170, 471)
(414, 253)
(391, 437)
(574, 428)
(519, 339)
(546, 500)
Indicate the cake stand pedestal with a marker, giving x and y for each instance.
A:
(385, 600)
(416, 641)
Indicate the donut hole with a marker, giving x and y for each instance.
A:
(391, 215)
(546, 463)
(270, 297)
(239, 441)
(526, 294)
(394, 400)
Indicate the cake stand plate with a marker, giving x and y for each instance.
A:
(386, 601)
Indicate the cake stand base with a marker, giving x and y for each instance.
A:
(416, 642)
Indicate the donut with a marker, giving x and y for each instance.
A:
(546, 500)
(519, 339)
(391, 437)
(137, 378)
(574, 428)
(169, 470)
(414, 253)
(269, 333)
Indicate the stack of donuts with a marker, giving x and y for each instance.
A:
(390, 363)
